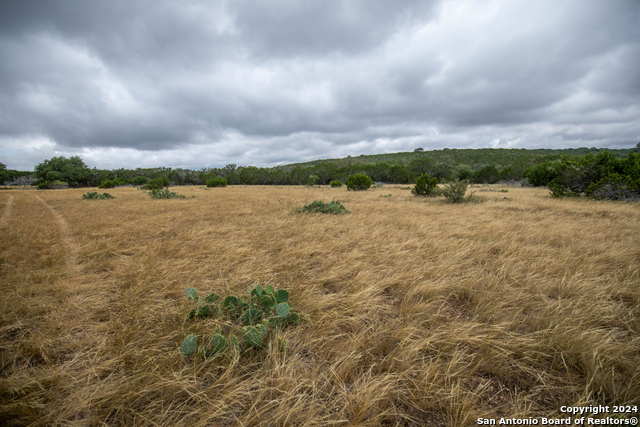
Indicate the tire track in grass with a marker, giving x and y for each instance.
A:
(7, 211)
(65, 233)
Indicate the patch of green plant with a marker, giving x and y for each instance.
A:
(426, 186)
(165, 194)
(313, 180)
(336, 184)
(405, 188)
(454, 190)
(358, 181)
(139, 180)
(157, 184)
(385, 195)
(96, 196)
(317, 206)
(107, 183)
(218, 181)
(252, 318)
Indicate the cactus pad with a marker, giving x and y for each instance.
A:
(189, 345)
(282, 309)
(218, 344)
(282, 295)
(251, 316)
(212, 298)
(252, 336)
(192, 293)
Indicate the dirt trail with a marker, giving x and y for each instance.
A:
(65, 233)
(7, 211)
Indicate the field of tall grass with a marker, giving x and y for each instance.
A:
(421, 313)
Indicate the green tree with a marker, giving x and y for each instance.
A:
(3, 173)
(72, 171)
(487, 175)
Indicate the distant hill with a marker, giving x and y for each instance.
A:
(475, 158)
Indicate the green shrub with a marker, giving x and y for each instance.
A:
(336, 183)
(454, 190)
(425, 186)
(541, 174)
(43, 185)
(333, 207)
(139, 180)
(158, 183)
(358, 181)
(121, 181)
(218, 181)
(615, 187)
(97, 196)
(165, 194)
(313, 180)
(107, 184)
(251, 318)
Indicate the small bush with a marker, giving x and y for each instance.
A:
(165, 194)
(96, 196)
(358, 182)
(455, 190)
(158, 184)
(121, 181)
(218, 181)
(333, 207)
(139, 180)
(336, 183)
(313, 180)
(43, 185)
(107, 184)
(425, 186)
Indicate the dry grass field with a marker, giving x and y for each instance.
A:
(421, 313)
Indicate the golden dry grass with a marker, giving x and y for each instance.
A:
(421, 313)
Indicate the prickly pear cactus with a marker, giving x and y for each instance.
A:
(192, 293)
(189, 345)
(264, 310)
(212, 298)
(282, 295)
(219, 343)
(282, 309)
(252, 336)
(251, 317)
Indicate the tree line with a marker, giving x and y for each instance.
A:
(486, 166)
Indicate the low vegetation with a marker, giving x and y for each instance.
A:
(218, 181)
(336, 184)
(262, 313)
(97, 196)
(165, 194)
(455, 190)
(317, 206)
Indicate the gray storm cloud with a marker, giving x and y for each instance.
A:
(197, 84)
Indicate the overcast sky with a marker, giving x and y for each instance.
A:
(202, 84)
